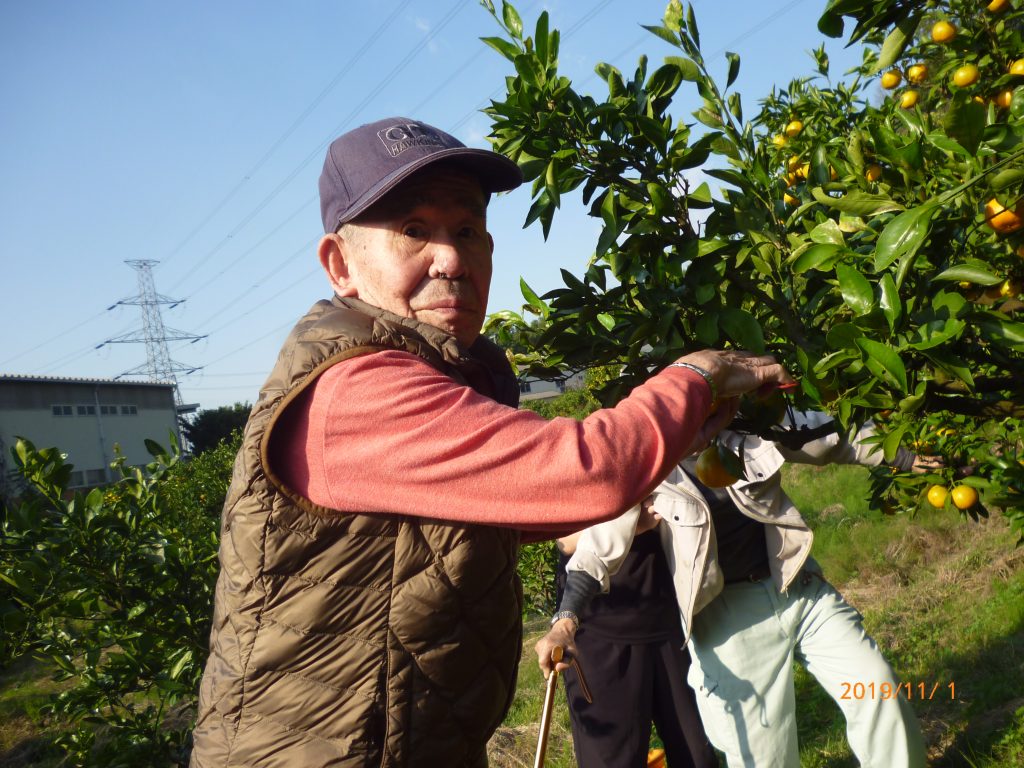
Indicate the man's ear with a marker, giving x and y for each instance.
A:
(334, 253)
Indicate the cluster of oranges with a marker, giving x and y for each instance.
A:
(1000, 218)
(964, 76)
(963, 496)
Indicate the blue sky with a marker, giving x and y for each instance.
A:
(192, 133)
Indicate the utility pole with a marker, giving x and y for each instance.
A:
(154, 334)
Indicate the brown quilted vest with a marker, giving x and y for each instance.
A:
(344, 639)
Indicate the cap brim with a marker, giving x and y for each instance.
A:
(495, 172)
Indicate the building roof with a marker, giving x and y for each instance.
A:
(32, 379)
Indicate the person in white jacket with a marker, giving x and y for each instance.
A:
(752, 601)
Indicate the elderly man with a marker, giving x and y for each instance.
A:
(368, 610)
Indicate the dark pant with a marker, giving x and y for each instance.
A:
(634, 685)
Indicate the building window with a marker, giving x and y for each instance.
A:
(129, 410)
(108, 410)
(524, 387)
(61, 410)
(76, 478)
(95, 476)
(87, 410)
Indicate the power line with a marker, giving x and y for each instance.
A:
(316, 153)
(294, 126)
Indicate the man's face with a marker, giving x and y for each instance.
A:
(422, 252)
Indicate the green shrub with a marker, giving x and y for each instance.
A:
(115, 587)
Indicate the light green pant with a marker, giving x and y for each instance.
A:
(743, 647)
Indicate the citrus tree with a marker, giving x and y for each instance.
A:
(869, 231)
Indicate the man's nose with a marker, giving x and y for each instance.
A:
(447, 260)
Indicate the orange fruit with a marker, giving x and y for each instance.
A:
(873, 172)
(793, 164)
(943, 32)
(788, 199)
(656, 758)
(891, 79)
(917, 73)
(1002, 219)
(779, 140)
(1004, 98)
(711, 471)
(964, 497)
(1017, 67)
(997, 6)
(793, 128)
(966, 75)
(937, 496)
(908, 99)
(1010, 289)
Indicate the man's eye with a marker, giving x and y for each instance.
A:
(414, 231)
(469, 232)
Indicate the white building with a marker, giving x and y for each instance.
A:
(539, 389)
(85, 419)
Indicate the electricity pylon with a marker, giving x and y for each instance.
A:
(154, 333)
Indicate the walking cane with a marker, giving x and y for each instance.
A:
(545, 715)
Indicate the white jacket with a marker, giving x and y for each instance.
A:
(687, 532)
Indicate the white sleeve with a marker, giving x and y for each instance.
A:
(601, 548)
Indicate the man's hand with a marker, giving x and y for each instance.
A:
(563, 633)
(924, 464)
(736, 373)
(648, 519)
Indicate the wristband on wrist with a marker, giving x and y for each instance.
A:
(702, 373)
(559, 615)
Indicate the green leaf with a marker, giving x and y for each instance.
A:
(951, 364)
(691, 24)
(512, 20)
(946, 144)
(820, 256)
(903, 235)
(971, 271)
(1007, 333)
(896, 42)
(828, 232)
(154, 448)
(884, 363)
(891, 443)
(1008, 177)
(540, 37)
(858, 203)
(936, 332)
(532, 298)
(891, 303)
(687, 68)
(965, 122)
(743, 328)
(176, 669)
(830, 24)
(734, 67)
(502, 46)
(606, 320)
(663, 33)
(674, 15)
(855, 288)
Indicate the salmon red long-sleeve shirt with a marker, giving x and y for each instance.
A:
(388, 433)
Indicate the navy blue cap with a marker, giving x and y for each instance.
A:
(366, 163)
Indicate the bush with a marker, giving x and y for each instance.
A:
(114, 587)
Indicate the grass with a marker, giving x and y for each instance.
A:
(24, 727)
(944, 598)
